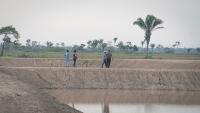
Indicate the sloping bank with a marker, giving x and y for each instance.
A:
(116, 78)
(17, 95)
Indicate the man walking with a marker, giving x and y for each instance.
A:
(75, 57)
(108, 57)
(67, 58)
(104, 59)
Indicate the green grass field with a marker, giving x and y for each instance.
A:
(97, 55)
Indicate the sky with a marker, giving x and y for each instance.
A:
(77, 21)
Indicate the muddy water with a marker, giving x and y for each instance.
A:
(129, 101)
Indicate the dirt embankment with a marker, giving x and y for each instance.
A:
(95, 78)
(18, 96)
(116, 63)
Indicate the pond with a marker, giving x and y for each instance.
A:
(129, 101)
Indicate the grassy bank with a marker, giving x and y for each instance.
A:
(97, 55)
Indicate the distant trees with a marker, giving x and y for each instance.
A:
(49, 44)
(159, 47)
(168, 50)
(128, 46)
(28, 42)
(142, 43)
(135, 48)
(97, 44)
(7, 33)
(93, 43)
(121, 45)
(81, 47)
(189, 50)
(115, 40)
(89, 44)
(34, 43)
(152, 47)
(62, 44)
(176, 44)
(198, 50)
(104, 45)
(148, 25)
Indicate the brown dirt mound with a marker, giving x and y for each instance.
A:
(96, 78)
(19, 97)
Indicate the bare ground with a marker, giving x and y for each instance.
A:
(19, 97)
(116, 63)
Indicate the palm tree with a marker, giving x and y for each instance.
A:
(152, 47)
(142, 42)
(198, 50)
(28, 42)
(177, 43)
(104, 45)
(128, 46)
(6, 32)
(115, 40)
(150, 24)
(189, 50)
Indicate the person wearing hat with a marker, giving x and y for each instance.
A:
(108, 58)
(67, 58)
(104, 59)
(75, 57)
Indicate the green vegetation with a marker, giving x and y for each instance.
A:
(7, 32)
(98, 55)
(150, 24)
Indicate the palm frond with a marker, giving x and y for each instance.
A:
(149, 21)
(156, 23)
(158, 28)
(140, 23)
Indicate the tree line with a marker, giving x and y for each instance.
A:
(148, 25)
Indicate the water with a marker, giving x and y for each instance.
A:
(129, 101)
(138, 108)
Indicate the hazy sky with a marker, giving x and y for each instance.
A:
(77, 21)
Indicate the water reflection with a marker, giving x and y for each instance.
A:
(105, 108)
(126, 96)
(129, 101)
(139, 108)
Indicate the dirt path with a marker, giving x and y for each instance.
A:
(19, 97)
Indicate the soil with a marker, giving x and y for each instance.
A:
(19, 97)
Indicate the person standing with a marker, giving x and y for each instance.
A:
(67, 58)
(75, 57)
(104, 59)
(108, 57)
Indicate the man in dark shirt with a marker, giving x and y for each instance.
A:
(104, 59)
(75, 57)
(109, 57)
